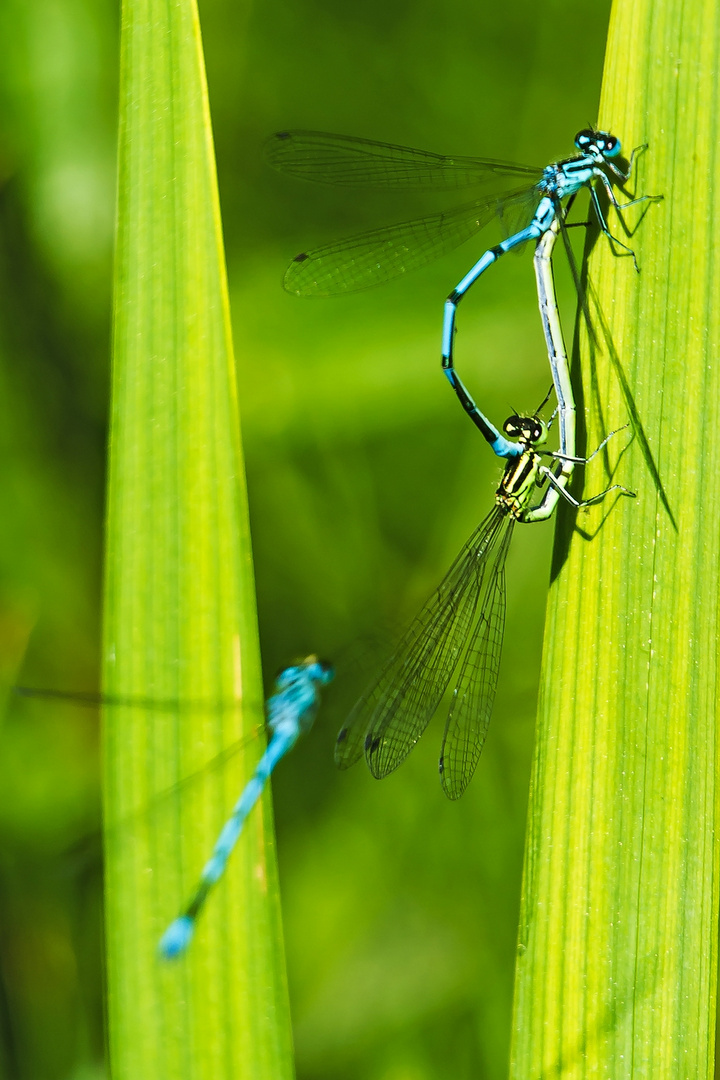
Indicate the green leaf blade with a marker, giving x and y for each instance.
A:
(616, 974)
(180, 620)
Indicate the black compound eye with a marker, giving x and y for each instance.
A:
(612, 146)
(327, 670)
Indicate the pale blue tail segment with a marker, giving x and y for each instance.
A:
(290, 712)
(177, 937)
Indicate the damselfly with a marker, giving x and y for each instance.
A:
(460, 628)
(290, 712)
(361, 261)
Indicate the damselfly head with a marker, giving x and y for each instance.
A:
(530, 430)
(321, 671)
(598, 143)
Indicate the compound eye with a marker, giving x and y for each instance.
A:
(327, 670)
(523, 428)
(536, 433)
(612, 146)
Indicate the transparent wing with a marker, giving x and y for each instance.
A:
(394, 711)
(93, 699)
(371, 258)
(342, 159)
(515, 213)
(215, 764)
(474, 693)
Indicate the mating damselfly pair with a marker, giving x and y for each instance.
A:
(456, 640)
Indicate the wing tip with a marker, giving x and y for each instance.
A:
(453, 786)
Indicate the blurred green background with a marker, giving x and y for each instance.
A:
(364, 477)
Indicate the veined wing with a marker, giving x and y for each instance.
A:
(342, 159)
(402, 716)
(515, 213)
(474, 693)
(394, 711)
(371, 258)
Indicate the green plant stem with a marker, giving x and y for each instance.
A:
(616, 973)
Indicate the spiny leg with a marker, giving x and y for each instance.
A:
(580, 504)
(613, 240)
(584, 460)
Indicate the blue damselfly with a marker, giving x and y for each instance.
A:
(370, 258)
